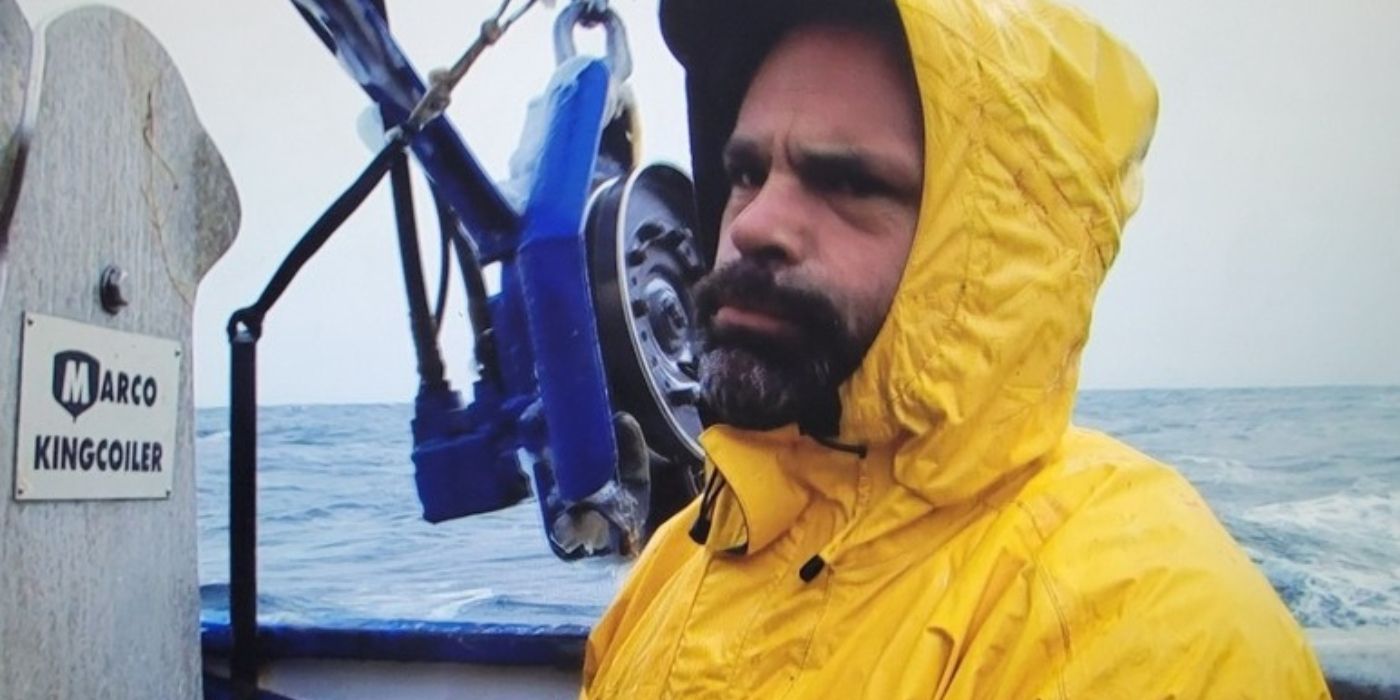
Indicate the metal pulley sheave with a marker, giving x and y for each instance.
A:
(643, 258)
(644, 255)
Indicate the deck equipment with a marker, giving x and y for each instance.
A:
(584, 348)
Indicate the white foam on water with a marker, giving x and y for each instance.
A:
(1351, 512)
(1336, 558)
(445, 604)
(1202, 469)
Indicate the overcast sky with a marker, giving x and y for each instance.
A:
(1267, 252)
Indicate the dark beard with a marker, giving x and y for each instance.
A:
(760, 381)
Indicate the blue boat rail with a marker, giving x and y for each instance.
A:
(584, 353)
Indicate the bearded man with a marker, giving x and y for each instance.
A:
(916, 202)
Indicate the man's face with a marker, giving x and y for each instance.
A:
(826, 172)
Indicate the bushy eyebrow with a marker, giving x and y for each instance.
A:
(828, 161)
(875, 173)
(742, 151)
(818, 163)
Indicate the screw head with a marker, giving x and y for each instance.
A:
(109, 289)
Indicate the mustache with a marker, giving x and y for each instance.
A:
(750, 285)
(759, 380)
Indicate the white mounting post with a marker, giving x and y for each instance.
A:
(103, 167)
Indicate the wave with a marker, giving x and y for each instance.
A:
(1335, 559)
(211, 435)
(1356, 510)
(1202, 469)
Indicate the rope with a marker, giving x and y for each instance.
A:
(443, 81)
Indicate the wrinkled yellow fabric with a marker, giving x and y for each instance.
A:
(983, 547)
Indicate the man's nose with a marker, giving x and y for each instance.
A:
(771, 226)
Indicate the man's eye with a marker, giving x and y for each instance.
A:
(744, 177)
(851, 184)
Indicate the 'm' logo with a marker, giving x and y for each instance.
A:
(75, 376)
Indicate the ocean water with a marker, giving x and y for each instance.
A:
(1308, 480)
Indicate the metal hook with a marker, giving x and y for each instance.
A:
(594, 11)
(619, 56)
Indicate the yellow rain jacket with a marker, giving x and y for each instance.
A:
(982, 547)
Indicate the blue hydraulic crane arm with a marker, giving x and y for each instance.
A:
(356, 33)
(550, 407)
(544, 322)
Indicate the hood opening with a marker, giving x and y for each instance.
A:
(1035, 124)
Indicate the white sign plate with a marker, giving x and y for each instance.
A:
(97, 412)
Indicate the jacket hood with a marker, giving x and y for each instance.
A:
(976, 547)
(1036, 123)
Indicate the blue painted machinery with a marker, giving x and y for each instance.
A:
(584, 349)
